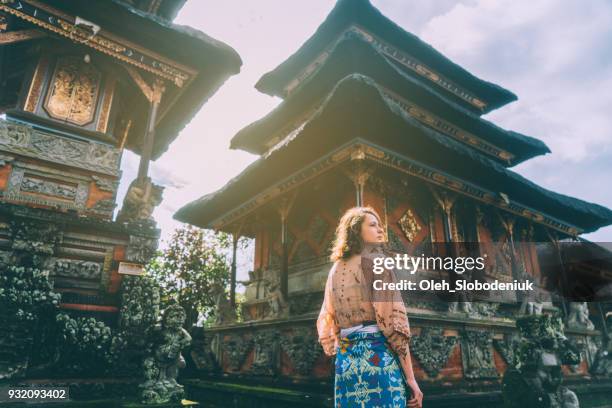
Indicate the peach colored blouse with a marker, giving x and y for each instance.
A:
(348, 301)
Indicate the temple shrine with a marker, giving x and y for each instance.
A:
(372, 115)
(80, 82)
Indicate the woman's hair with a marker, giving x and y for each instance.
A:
(348, 239)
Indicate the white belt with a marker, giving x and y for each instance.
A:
(360, 328)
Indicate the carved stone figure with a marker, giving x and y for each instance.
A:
(236, 349)
(477, 354)
(140, 200)
(578, 317)
(277, 304)
(162, 366)
(224, 311)
(265, 358)
(535, 380)
(602, 364)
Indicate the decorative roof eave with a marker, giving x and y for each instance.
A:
(365, 150)
(507, 147)
(67, 26)
(199, 67)
(364, 19)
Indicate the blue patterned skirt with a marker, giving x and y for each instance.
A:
(368, 373)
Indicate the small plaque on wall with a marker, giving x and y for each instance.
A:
(127, 268)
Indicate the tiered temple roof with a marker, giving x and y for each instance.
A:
(362, 85)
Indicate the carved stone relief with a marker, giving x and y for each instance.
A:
(265, 360)
(235, 350)
(477, 354)
(432, 349)
(141, 249)
(90, 155)
(302, 348)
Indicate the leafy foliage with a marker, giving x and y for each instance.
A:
(195, 261)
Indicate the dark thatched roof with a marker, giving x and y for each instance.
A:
(373, 117)
(353, 55)
(215, 60)
(361, 12)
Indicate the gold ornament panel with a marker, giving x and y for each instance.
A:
(73, 91)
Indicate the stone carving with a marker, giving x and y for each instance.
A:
(477, 354)
(140, 200)
(302, 348)
(34, 237)
(102, 155)
(90, 155)
(432, 349)
(602, 364)
(77, 269)
(141, 249)
(578, 317)
(106, 205)
(507, 348)
(535, 380)
(14, 134)
(36, 185)
(105, 184)
(265, 344)
(162, 366)
(224, 312)
(236, 349)
(278, 306)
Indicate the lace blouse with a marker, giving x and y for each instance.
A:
(349, 301)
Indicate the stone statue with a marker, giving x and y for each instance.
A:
(578, 317)
(278, 305)
(162, 366)
(602, 364)
(535, 380)
(224, 311)
(140, 200)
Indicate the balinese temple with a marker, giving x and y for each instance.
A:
(372, 115)
(80, 82)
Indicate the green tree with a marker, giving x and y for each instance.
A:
(187, 270)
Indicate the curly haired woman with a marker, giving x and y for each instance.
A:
(368, 332)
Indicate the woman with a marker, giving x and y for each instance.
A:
(368, 332)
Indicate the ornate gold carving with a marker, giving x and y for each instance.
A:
(19, 35)
(109, 91)
(154, 92)
(447, 128)
(394, 53)
(119, 48)
(409, 225)
(36, 85)
(73, 91)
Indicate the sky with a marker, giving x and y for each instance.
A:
(554, 54)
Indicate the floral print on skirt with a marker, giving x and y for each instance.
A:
(368, 373)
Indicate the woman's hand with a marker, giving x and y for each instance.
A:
(417, 396)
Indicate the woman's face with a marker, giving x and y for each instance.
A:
(371, 230)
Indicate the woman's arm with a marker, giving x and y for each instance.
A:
(417, 395)
(327, 328)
